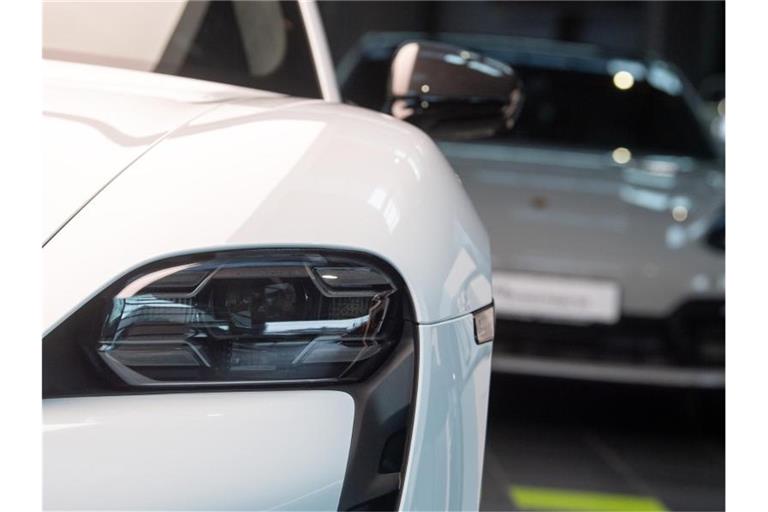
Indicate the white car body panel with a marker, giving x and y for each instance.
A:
(448, 437)
(312, 165)
(264, 172)
(151, 106)
(284, 450)
(144, 166)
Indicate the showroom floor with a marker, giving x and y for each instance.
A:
(556, 445)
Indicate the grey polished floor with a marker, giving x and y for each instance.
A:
(558, 445)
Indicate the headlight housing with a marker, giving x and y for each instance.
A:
(234, 318)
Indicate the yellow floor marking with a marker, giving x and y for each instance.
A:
(542, 498)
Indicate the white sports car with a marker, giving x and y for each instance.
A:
(252, 300)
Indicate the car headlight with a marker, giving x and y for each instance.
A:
(235, 318)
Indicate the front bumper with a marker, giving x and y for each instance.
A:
(276, 449)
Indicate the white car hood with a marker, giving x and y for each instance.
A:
(254, 172)
(98, 120)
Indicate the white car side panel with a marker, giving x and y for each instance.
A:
(448, 437)
(284, 450)
(308, 174)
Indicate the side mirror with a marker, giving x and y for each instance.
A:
(452, 93)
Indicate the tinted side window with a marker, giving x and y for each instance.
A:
(585, 109)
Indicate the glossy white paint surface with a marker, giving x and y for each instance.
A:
(98, 120)
(267, 449)
(272, 172)
(284, 450)
(191, 166)
(578, 213)
(448, 440)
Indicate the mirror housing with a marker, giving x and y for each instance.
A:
(452, 93)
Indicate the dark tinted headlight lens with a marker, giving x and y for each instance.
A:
(247, 317)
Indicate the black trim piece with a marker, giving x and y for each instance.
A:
(383, 413)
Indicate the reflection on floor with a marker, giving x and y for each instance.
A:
(558, 445)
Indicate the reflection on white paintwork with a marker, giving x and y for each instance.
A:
(283, 163)
(390, 213)
(401, 156)
(106, 140)
(448, 439)
(461, 273)
(53, 427)
(377, 198)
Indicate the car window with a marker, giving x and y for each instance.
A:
(573, 108)
(253, 44)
